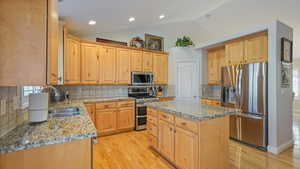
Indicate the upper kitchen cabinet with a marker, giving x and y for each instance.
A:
(72, 61)
(147, 61)
(136, 61)
(235, 52)
(256, 48)
(215, 60)
(90, 63)
(108, 64)
(123, 66)
(28, 40)
(160, 68)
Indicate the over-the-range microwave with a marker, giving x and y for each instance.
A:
(142, 78)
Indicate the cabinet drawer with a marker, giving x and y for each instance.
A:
(152, 129)
(126, 103)
(152, 112)
(153, 141)
(186, 124)
(106, 105)
(152, 119)
(166, 117)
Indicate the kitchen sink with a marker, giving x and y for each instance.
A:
(65, 111)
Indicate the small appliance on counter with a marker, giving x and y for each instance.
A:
(159, 92)
(38, 107)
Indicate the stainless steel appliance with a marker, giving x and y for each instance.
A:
(143, 95)
(246, 86)
(142, 78)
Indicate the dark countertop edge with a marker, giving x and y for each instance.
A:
(190, 116)
(108, 99)
(164, 96)
(7, 149)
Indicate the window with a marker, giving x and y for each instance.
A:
(26, 90)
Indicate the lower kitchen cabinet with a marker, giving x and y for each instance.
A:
(125, 118)
(112, 117)
(75, 154)
(186, 149)
(106, 121)
(166, 139)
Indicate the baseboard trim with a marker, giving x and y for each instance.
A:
(281, 148)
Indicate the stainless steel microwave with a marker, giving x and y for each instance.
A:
(142, 78)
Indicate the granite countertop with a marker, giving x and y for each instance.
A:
(193, 110)
(55, 130)
(104, 99)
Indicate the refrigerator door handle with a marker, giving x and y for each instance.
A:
(251, 116)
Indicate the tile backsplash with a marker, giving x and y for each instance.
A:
(11, 112)
(92, 91)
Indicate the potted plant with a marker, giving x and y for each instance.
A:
(184, 42)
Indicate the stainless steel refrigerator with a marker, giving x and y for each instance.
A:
(246, 86)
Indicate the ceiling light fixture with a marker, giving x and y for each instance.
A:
(162, 16)
(92, 22)
(131, 19)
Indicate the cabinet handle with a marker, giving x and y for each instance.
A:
(183, 123)
(171, 129)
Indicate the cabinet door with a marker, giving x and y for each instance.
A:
(91, 110)
(211, 69)
(105, 121)
(156, 68)
(166, 139)
(90, 63)
(72, 62)
(123, 66)
(164, 69)
(125, 118)
(108, 65)
(256, 48)
(147, 62)
(186, 149)
(53, 41)
(136, 61)
(23, 53)
(235, 52)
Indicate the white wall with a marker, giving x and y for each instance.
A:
(280, 100)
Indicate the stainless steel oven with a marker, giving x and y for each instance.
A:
(142, 78)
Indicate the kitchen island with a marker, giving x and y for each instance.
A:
(60, 142)
(190, 135)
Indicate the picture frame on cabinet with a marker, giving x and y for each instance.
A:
(154, 42)
(286, 50)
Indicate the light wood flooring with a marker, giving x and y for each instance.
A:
(131, 151)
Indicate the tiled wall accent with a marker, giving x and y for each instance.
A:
(11, 114)
(211, 91)
(92, 91)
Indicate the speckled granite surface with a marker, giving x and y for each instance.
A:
(55, 130)
(193, 110)
(103, 99)
(211, 97)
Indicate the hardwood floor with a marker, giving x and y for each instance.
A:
(131, 151)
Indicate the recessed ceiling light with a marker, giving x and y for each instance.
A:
(131, 19)
(92, 22)
(162, 16)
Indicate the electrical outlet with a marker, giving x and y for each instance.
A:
(3, 106)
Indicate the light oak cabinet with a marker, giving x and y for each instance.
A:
(72, 61)
(235, 52)
(108, 65)
(125, 118)
(186, 149)
(114, 117)
(106, 120)
(215, 60)
(123, 66)
(147, 62)
(136, 61)
(256, 48)
(160, 68)
(166, 139)
(249, 49)
(28, 38)
(90, 63)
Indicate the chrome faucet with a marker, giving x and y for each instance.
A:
(57, 96)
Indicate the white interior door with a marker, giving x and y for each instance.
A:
(187, 81)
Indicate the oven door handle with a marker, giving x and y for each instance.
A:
(141, 116)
